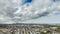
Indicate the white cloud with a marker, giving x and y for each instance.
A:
(14, 11)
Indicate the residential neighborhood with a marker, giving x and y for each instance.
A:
(29, 29)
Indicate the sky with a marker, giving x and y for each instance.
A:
(30, 11)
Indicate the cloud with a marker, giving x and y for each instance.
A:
(14, 11)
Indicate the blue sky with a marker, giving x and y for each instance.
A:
(53, 19)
